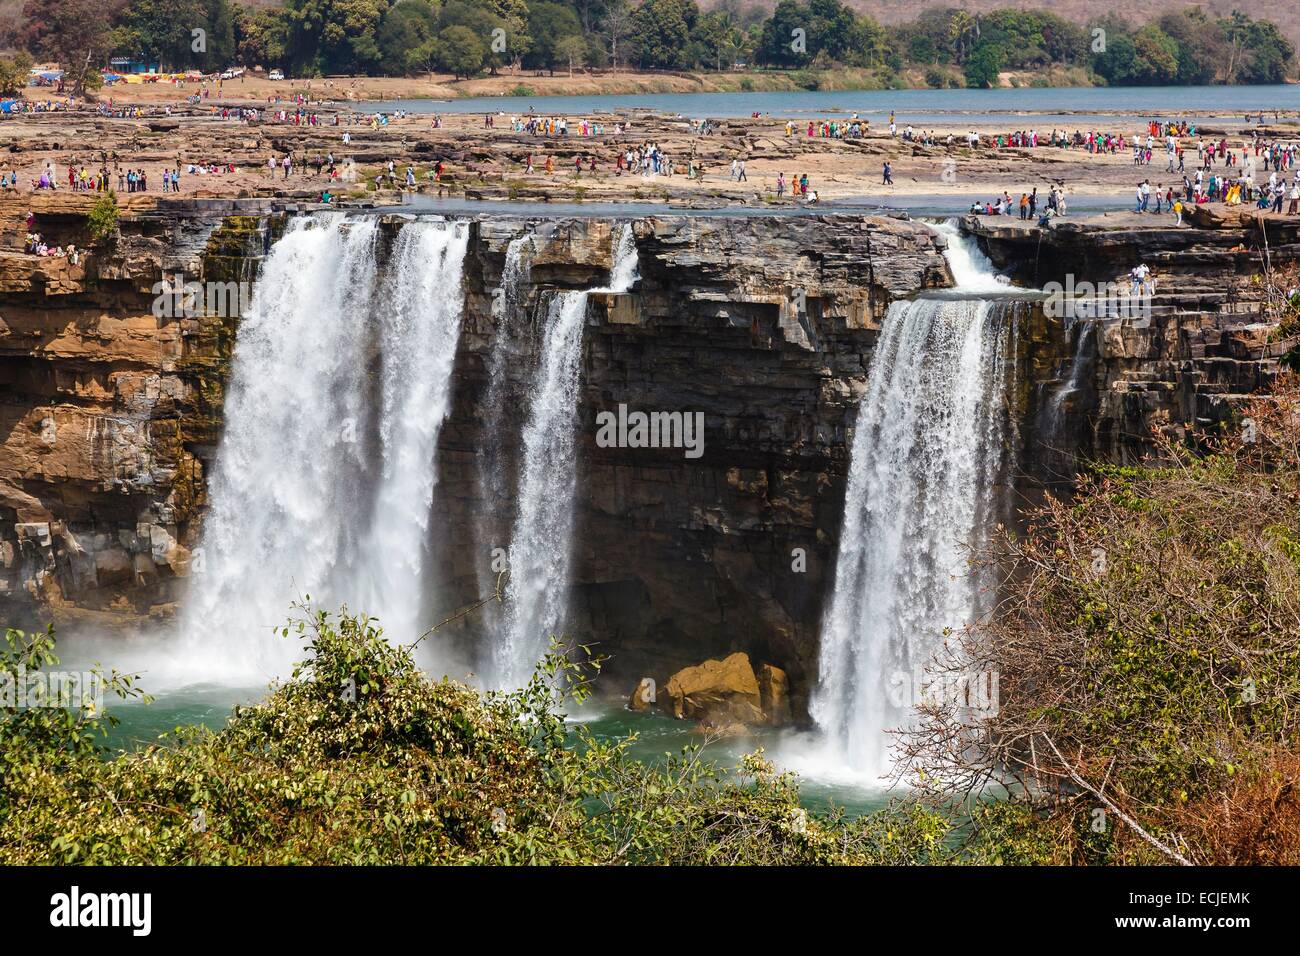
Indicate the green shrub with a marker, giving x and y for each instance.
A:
(102, 221)
(360, 758)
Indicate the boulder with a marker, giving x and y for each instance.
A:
(716, 693)
(644, 695)
(774, 695)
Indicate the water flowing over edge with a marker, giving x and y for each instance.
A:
(922, 490)
(315, 490)
(541, 539)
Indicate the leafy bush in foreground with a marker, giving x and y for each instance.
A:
(360, 758)
(1148, 647)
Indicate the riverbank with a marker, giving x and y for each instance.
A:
(458, 154)
(362, 89)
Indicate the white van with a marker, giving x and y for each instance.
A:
(276, 75)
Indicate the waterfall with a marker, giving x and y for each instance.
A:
(1072, 384)
(494, 469)
(1061, 407)
(541, 536)
(307, 495)
(420, 315)
(972, 270)
(926, 456)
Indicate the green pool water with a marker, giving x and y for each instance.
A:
(655, 736)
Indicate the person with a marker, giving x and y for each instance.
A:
(1178, 212)
(888, 179)
(1294, 208)
(1024, 205)
(780, 185)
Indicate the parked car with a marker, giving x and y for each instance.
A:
(276, 75)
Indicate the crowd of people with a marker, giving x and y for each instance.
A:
(35, 245)
(853, 128)
(1054, 205)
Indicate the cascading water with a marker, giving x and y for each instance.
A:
(926, 456)
(541, 538)
(298, 507)
(972, 270)
(1063, 409)
(1057, 402)
(494, 469)
(421, 302)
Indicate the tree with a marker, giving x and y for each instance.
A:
(573, 49)
(548, 25)
(333, 36)
(661, 31)
(1269, 56)
(13, 73)
(162, 30)
(984, 64)
(407, 28)
(263, 38)
(460, 51)
(716, 39)
(779, 44)
(618, 25)
(76, 33)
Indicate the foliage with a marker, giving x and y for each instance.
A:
(161, 30)
(75, 33)
(13, 73)
(403, 37)
(361, 759)
(1148, 647)
(102, 220)
(36, 741)
(1188, 47)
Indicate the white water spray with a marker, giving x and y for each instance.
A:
(493, 464)
(298, 507)
(927, 454)
(420, 307)
(541, 538)
(972, 271)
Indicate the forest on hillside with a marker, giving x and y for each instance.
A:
(466, 38)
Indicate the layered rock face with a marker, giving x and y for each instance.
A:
(1204, 346)
(111, 414)
(104, 406)
(763, 325)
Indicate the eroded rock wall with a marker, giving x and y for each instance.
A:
(1188, 364)
(110, 413)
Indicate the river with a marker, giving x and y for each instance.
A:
(1046, 106)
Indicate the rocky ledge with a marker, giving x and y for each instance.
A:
(1207, 341)
(111, 414)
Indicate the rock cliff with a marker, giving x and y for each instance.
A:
(112, 409)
